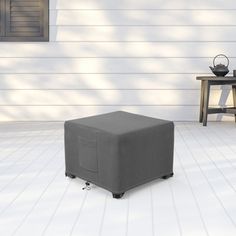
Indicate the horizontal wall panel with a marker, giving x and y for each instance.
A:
(117, 49)
(106, 65)
(134, 4)
(99, 81)
(112, 97)
(142, 33)
(50, 113)
(142, 17)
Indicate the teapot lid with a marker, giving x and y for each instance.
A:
(220, 65)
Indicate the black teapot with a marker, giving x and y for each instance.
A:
(220, 69)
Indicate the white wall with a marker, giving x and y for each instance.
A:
(103, 55)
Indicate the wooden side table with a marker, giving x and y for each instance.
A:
(206, 82)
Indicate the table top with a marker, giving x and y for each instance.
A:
(216, 78)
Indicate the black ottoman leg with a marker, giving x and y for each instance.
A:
(117, 195)
(70, 175)
(167, 176)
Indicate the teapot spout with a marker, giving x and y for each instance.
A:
(211, 68)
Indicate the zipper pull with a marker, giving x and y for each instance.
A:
(87, 186)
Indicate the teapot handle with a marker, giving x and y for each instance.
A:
(223, 56)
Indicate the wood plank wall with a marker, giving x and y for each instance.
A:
(139, 56)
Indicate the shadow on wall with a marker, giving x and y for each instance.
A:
(144, 61)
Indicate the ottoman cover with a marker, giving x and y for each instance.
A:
(119, 150)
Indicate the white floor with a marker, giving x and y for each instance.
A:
(37, 199)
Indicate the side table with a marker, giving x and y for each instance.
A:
(206, 82)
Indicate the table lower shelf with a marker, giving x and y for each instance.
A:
(230, 110)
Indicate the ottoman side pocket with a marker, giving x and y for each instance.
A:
(88, 153)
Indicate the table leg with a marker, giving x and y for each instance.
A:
(206, 102)
(234, 97)
(201, 102)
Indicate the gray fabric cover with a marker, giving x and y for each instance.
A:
(119, 150)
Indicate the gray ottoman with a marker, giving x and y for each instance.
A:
(119, 150)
